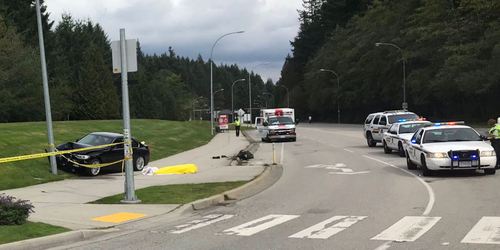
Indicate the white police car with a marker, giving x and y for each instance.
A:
(399, 133)
(449, 146)
(377, 123)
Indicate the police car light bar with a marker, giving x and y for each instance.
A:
(449, 123)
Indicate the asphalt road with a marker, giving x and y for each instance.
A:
(336, 193)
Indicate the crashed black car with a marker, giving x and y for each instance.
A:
(101, 155)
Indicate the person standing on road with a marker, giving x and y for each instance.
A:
(495, 139)
(310, 119)
(237, 126)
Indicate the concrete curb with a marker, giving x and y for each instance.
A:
(258, 184)
(56, 239)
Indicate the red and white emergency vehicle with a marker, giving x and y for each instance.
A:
(276, 124)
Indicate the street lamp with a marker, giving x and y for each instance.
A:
(232, 96)
(405, 104)
(250, 87)
(212, 79)
(287, 95)
(338, 91)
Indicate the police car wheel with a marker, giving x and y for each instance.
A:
(490, 171)
(387, 150)
(369, 140)
(410, 164)
(425, 170)
(401, 150)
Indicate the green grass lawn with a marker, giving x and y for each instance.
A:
(175, 194)
(27, 231)
(165, 138)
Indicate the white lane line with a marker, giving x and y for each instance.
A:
(350, 173)
(323, 231)
(282, 153)
(430, 192)
(204, 221)
(486, 231)
(409, 228)
(350, 151)
(258, 225)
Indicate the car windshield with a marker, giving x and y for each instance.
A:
(94, 140)
(411, 127)
(281, 120)
(450, 135)
(402, 117)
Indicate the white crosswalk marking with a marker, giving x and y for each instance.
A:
(322, 231)
(409, 228)
(204, 221)
(486, 231)
(258, 225)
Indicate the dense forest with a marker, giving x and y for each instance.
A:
(82, 86)
(451, 49)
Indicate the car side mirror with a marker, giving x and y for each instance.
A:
(265, 124)
(483, 137)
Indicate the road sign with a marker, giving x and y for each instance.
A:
(223, 122)
(241, 112)
(131, 45)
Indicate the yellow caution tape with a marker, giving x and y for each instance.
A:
(100, 165)
(178, 169)
(42, 155)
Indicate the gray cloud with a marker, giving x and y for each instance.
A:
(191, 26)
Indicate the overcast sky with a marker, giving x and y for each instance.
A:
(192, 26)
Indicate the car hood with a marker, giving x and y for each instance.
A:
(289, 126)
(406, 136)
(74, 145)
(463, 145)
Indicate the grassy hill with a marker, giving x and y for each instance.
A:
(165, 138)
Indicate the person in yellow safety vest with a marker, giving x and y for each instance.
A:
(237, 126)
(495, 139)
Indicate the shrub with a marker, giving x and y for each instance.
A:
(14, 211)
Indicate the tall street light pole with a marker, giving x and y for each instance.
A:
(250, 87)
(46, 95)
(212, 79)
(338, 90)
(287, 95)
(405, 104)
(232, 96)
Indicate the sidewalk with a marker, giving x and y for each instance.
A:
(63, 203)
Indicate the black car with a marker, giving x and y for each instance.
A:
(101, 155)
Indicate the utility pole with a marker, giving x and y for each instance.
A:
(129, 168)
(46, 95)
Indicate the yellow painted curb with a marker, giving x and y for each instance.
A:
(178, 169)
(119, 217)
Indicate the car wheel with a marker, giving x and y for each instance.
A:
(425, 170)
(94, 171)
(409, 163)
(369, 140)
(139, 163)
(401, 150)
(490, 171)
(387, 150)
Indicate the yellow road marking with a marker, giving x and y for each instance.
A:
(119, 217)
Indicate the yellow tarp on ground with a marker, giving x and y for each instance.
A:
(178, 169)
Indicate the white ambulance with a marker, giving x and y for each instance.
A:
(276, 124)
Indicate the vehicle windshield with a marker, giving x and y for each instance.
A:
(94, 140)
(450, 135)
(402, 117)
(411, 127)
(280, 120)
